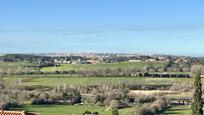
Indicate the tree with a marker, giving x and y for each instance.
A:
(197, 69)
(114, 104)
(114, 107)
(197, 104)
(1, 82)
(115, 111)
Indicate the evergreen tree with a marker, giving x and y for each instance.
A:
(197, 104)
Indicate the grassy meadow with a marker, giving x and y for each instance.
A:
(79, 109)
(122, 65)
(16, 66)
(68, 110)
(54, 80)
(178, 110)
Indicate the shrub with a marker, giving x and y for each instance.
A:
(115, 112)
(7, 105)
(13, 105)
(37, 101)
(156, 106)
(4, 105)
(145, 98)
(95, 113)
(145, 110)
(87, 113)
(183, 87)
(114, 104)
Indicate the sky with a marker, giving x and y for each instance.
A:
(109, 26)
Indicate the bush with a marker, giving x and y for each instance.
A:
(183, 87)
(144, 98)
(156, 106)
(95, 113)
(87, 113)
(4, 105)
(114, 104)
(39, 101)
(35, 87)
(55, 97)
(145, 110)
(7, 105)
(115, 112)
(13, 105)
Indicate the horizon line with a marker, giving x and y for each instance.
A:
(138, 53)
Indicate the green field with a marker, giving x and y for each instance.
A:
(54, 80)
(13, 66)
(178, 110)
(68, 110)
(122, 65)
(79, 109)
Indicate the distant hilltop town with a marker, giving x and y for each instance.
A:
(96, 58)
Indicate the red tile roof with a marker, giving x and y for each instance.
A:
(16, 113)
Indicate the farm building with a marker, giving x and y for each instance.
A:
(16, 113)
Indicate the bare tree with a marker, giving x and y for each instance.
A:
(197, 69)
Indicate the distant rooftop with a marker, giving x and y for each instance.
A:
(16, 113)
